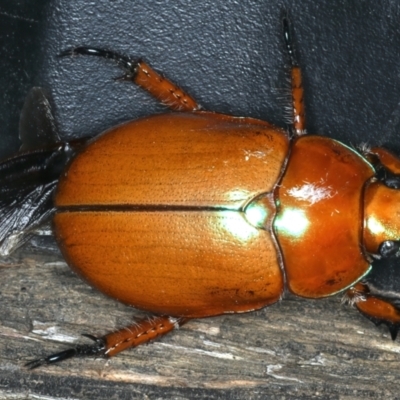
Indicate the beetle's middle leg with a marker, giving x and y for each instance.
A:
(298, 111)
(144, 76)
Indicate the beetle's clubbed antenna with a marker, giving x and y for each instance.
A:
(299, 122)
(144, 76)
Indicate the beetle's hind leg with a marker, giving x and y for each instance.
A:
(144, 76)
(298, 112)
(113, 343)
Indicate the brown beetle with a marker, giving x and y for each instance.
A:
(192, 214)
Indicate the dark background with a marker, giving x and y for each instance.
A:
(230, 56)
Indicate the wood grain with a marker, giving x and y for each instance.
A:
(295, 349)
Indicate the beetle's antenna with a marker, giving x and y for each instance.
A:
(299, 122)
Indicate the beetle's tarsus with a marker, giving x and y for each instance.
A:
(121, 60)
(288, 37)
(96, 349)
(129, 65)
(298, 121)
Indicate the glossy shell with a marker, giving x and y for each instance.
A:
(199, 214)
(178, 159)
(158, 213)
(319, 225)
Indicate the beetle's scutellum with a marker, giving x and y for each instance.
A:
(191, 214)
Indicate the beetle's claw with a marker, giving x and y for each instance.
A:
(125, 77)
(393, 328)
(92, 337)
(67, 52)
(98, 348)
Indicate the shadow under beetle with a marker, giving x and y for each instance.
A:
(192, 214)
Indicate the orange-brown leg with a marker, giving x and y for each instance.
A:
(113, 343)
(375, 308)
(299, 120)
(143, 75)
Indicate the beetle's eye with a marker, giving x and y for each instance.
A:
(389, 248)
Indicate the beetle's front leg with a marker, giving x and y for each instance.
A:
(386, 164)
(144, 76)
(115, 342)
(376, 308)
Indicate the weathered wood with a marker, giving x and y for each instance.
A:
(294, 349)
(231, 57)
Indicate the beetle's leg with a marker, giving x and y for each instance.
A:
(143, 75)
(299, 120)
(113, 343)
(377, 309)
(387, 165)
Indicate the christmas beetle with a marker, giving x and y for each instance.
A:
(191, 214)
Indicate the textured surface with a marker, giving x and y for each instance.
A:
(229, 55)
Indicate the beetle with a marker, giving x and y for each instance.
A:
(191, 214)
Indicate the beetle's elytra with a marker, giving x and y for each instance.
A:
(191, 213)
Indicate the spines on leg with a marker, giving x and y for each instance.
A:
(298, 113)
